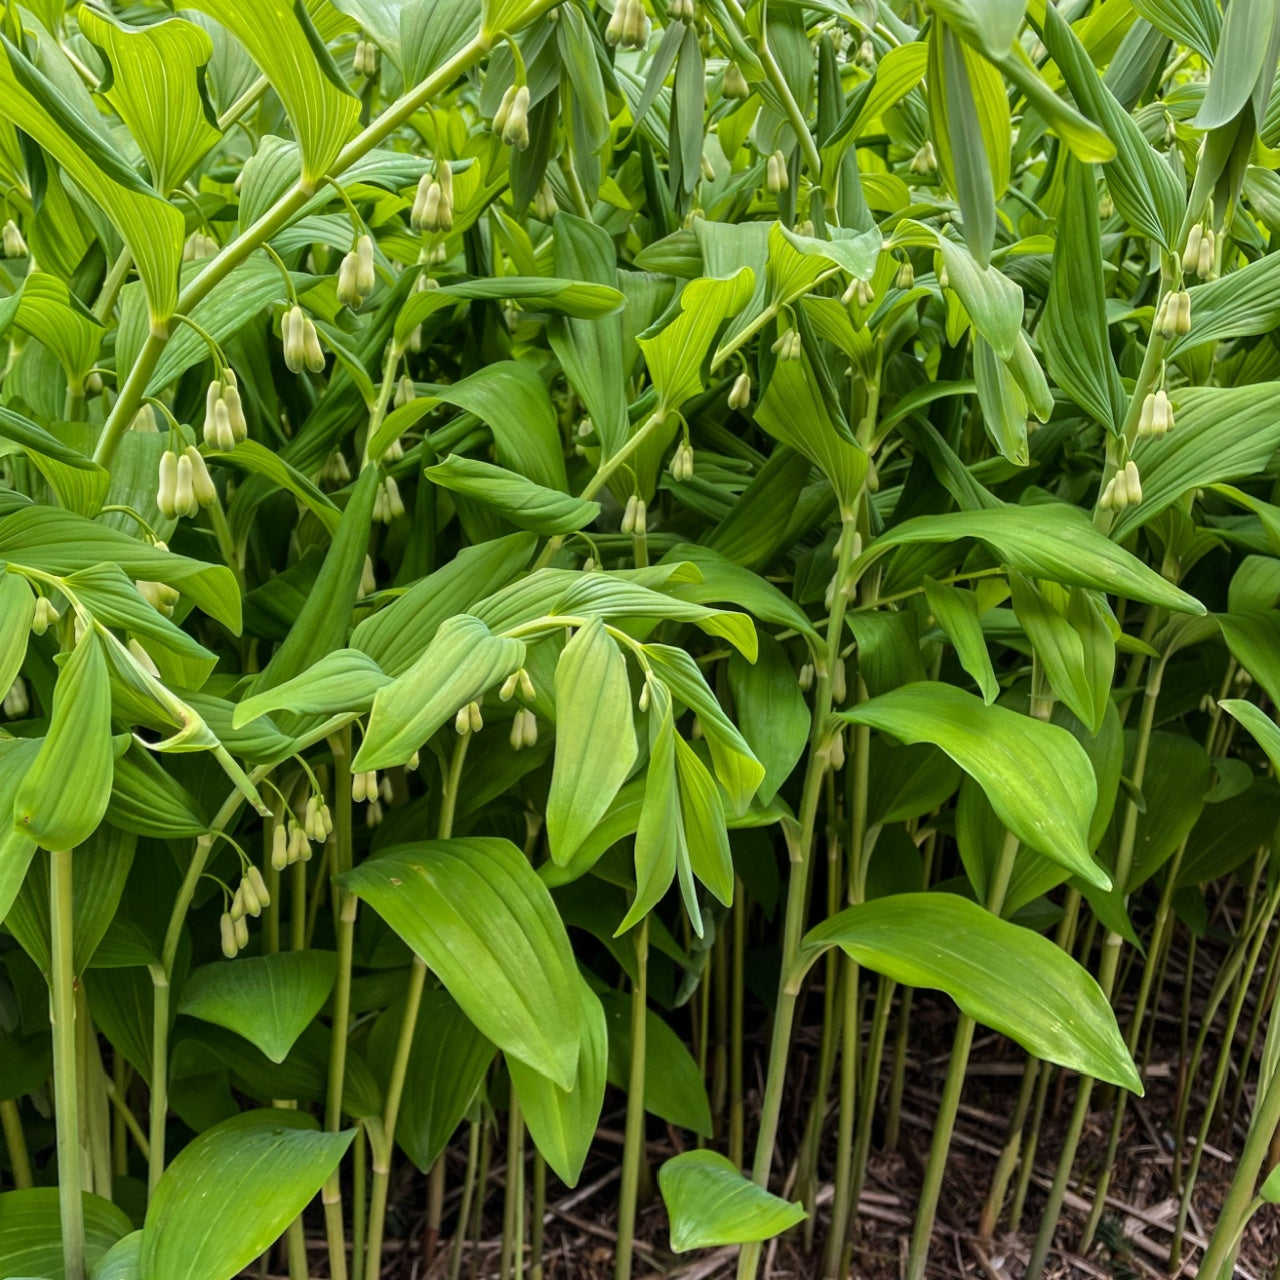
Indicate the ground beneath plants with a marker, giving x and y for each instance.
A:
(1133, 1238)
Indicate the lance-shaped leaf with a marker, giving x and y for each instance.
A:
(31, 1231)
(563, 1122)
(595, 737)
(1258, 723)
(1143, 186)
(514, 497)
(150, 226)
(1052, 541)
(17, 609)
(344, 680)
(64, 793)
(999, 973)
(59, 542)
(46, 309)
(989, 24)
(1220, 433)
(1073, 332)
(676, 352)
(956, 612)
(463, 661)
(269, 1000)
(477, 914)
(711, 1203)
(1036, 775)
(282, 41)
(660, 838)
(1254, 641)
(1244, 63)
(153, 85)
(229, 1195)
(706, 832)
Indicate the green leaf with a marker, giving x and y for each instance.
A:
(1258, 723)
(710, 1203)
(1051, 540)
(269, 1000)
(526, 504)
(771, 711)
(1073, 331)
(1270, 1189)
(64, 794)
(991, 25)
(59, 542)
(1000, 974)
(281, 40)
(1254, 641)
(122, 1261)
(477, 914)
(231, 1192)
(1071, 635)
(677, 352)
(17, 609)
(150, 226)
(563, 1122)
(31, 1232)
(1036, 775)
(1246, 54)
(956, 612)
(703, 819)
(258, 460)
(595, 737)
(153, 85)
(447, 1067)
(1220, 433)
(461, 663)
(344, 680)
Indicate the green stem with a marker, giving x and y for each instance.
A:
(346, 904)
(62, 984)
(268, 224)
(16, 1140)
(949, 1104)
(737, 1137)
(538, 1212)
(468, 1193)
(633, 1153)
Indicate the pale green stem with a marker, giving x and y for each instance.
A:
(633, 1153)
(62, 982)
(16, 1140)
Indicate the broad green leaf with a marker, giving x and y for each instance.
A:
(1051, 540)
(1036, 775)
(231, 1192)
(462, 662)
(259, 460)
(153, 85)
(711, 1203)
(47, 310)
(344, 680)
(64, 794)
(595, 737)
(269, 1000)
(1237, 305)
(1254, 641)
(1243, 64)
(281, 40)
(1270, 1189)
(477, 914)
(677, 352)
(149, 225)
(999, 973)
(794, 411)
(991, 25)
(771, 711)
(447, 1067)
(1073, 331)
(1003, 405)
(59, 542)
(526, 504)
(563, 1122)
(1220, 433)
(31, 1232)
(396, 635)
(956, 612)
(17, 608)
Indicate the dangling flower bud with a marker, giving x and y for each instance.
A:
(279, 847)
(364, 786)
(545, 206)
(388, 505)
(167, 493)
(143, 658)
(628, 525)
(185, 503)
(524, 729)
(201, 481)
(237, 903)
(368, 580)
(740, 392)
(776, 179)
(839, 687)
(249, 897)
(1205, 261)
(1133, 482)
(515, 132)
(406, 390)
(14, 245)
(1191, 254)
(335, 471)
(643, 701)
(788, 346)
(805, 678)
(16, 702)
(227, 935)
(866, 54)
(906, 278)
(682, 462)
(301, 342)
(348, 292)
(365, 61)
(735, 83)
(508, 690)
(925, 160)
(159, 595)
(144, 421)
(241, 930)
(1106, 206)
(45, 616)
